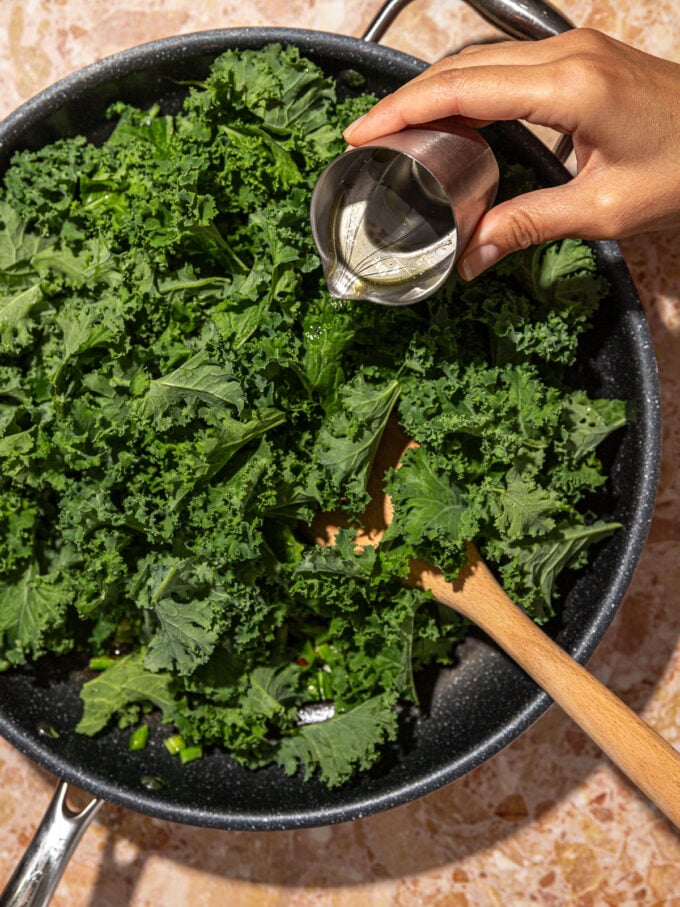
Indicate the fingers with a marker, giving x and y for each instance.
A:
(536, 81)
(615, 101)
(517, 53)
(529, 219)
(486, 93)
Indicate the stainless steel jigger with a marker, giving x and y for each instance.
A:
(391, 219)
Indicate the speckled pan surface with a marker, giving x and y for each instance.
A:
(486, 701)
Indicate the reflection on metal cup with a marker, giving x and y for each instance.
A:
(390, 219)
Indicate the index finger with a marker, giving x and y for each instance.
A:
(473, 93)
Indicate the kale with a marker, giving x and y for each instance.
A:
(180, 395)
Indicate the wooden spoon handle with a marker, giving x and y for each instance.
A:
(646, 758)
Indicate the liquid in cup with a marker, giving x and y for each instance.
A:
(390, 219)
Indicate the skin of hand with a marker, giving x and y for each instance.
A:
(621, 106)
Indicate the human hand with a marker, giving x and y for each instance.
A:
(621, 106)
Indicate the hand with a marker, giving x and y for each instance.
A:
(620, 105)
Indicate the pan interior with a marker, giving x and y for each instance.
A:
(472, 710)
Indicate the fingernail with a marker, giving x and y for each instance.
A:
(353, 126)
(477, 260)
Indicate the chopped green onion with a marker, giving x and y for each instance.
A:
(101, 662)
(189, 753)
(139, 737)
(324, 684)
(174, 744)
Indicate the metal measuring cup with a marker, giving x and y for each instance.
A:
(390, 219)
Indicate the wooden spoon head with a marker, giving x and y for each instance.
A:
(472, 583)
(379, 512)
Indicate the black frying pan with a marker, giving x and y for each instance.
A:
(486, 701)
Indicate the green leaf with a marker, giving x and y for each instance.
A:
(186, 635)
(336, 748)
(30, 606)
(426, 504)
(328, 331)
(16, 446)
(197, 379)
(341, 560)
(15, 312)
(545, 558)
(523, 508)
(179, 594)
(284, 169)
(85, 329)
(565, 272)
(347, 445)
(588, 422)
(271, 690)
(231, 435)
(17, 243)
(126, 682)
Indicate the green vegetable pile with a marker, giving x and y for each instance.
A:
(179, 395)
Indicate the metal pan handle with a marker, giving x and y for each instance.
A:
(521, 19)
(528, 20)
(34, 880)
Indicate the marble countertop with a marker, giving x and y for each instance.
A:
(548, 820)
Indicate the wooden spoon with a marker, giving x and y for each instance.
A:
(646, 758)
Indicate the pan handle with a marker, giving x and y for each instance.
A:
(34, 880)
(526, 20)
(521, 19)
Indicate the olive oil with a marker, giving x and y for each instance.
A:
(391, 225)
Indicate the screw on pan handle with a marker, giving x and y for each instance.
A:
(526, 20)
(36, 877)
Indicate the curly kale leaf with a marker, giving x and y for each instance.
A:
(30, 607)
(342, 745)
(127, 682)
(348, 442)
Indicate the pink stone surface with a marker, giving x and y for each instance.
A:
(548, 821)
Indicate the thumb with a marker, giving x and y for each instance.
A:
(525, 221)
